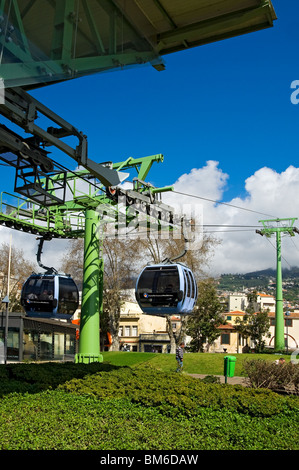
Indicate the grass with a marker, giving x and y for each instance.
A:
(194, 363)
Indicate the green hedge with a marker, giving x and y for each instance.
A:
(174, 394)
(55, 420)
(31, 377)
(106, 408)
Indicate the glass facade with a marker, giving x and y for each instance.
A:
(12, 344)
(30, 349)
(38, 341)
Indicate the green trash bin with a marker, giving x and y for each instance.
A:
(229, 366)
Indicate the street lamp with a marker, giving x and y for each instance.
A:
(6, 302)
(287, 314)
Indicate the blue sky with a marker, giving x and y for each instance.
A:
(227, 102)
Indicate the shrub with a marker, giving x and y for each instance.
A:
(141, 408)
(277, 377)
(20, 377)
(211, 379)
(55, 420)
(173, 394)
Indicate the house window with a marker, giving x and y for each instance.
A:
(127, 330)
(272, 322)
(134, 330)
(288, 322)
(120, 331)
(225, 338)
(228, 317)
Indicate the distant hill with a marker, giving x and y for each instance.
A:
(263, 280)
(292, 273)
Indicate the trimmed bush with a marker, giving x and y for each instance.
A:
(20, 377)
(174, 394)
(108, 408)
(277, 377)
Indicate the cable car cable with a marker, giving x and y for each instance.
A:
(224, 203)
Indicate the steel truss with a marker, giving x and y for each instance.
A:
(54, 202)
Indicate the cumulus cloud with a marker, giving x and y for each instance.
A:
(269, 194)
(209, 180)
(52, 251)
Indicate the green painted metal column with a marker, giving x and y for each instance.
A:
(89, 341)
(279, 319)
(285, 226)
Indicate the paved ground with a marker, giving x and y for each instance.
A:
(230, 380)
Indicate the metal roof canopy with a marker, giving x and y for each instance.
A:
(47, 41)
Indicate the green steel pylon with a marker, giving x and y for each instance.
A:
(269, 229)
(89, 345)
(80, 217)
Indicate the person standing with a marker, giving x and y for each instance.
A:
(179, 357)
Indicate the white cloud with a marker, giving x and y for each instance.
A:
(269, 195)
(53, 251)
(209, 180)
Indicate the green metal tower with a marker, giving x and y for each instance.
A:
(84, 214)
(283, 226)
(65, 40)
(55, 202)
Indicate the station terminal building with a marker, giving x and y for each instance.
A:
(45, 339)
(37, 339)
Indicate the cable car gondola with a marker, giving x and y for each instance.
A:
(166, 289)
(50, 294)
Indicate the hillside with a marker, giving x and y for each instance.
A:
(264, 280)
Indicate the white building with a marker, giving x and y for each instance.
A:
(232, 342)
(239, 301)
(140, 332)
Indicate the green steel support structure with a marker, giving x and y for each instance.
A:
(269, 230)
(80, 217)
(47, 41)
(279, 319)
(89, 345)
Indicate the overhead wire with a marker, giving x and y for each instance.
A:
(225, 227)
(276, 251)
(223, 203)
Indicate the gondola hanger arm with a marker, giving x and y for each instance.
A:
(39, 253)
(186, 241)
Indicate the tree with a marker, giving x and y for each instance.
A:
(119, 272)
(20, 270)
(72, 261)
(255, 326)
(207, 317)
(252, 302)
